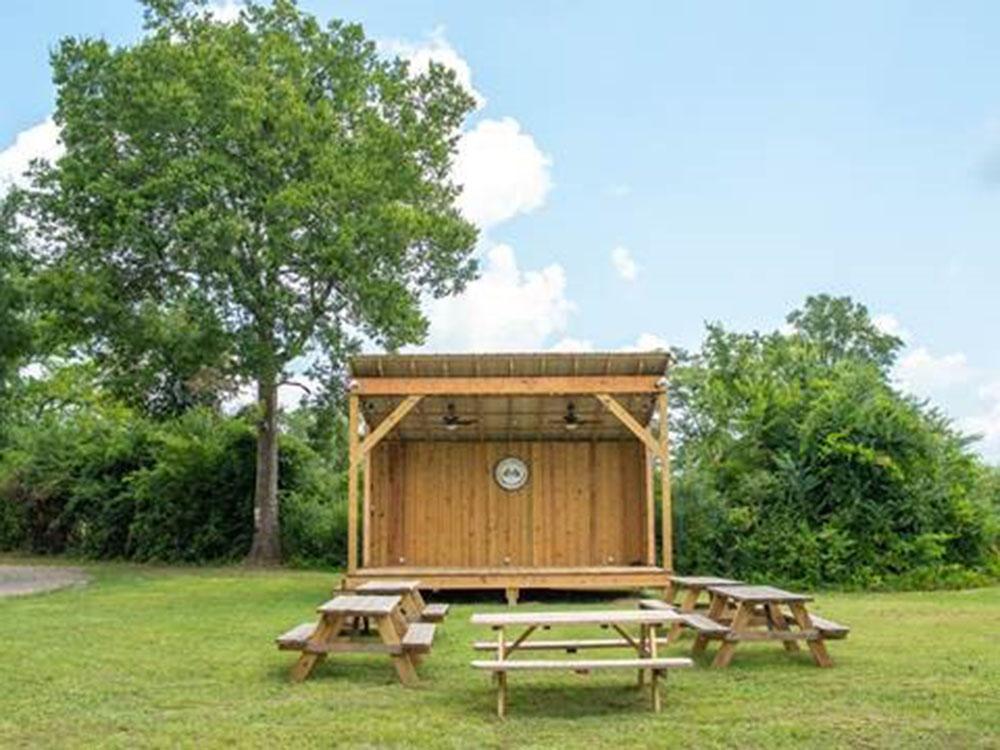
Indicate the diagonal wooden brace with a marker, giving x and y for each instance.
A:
(630, 422)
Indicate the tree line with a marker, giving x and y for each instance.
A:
(241, 203)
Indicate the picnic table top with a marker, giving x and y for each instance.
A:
(703, 581)
(363, 606)
(388, 587)
(758, 594)
(594, 617)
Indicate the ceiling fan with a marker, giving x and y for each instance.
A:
(452, 421)
(571, 420)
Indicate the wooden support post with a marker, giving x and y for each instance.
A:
(776, 621)
(512, 594)
(741, 623)
(715, 610)
(687, 607)
(650, 510)
(328, 629)
(666, 521)
(366, 512)
(644, 640)
(501, 675)
(654, 679)
(817, 646)
(392, 632)
(353, 451)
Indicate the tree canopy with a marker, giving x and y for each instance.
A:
(799, 461)
(15, 327)
(239, 198)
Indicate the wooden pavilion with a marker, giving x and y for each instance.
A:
(509, 471)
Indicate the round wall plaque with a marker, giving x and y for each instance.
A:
(511, 473)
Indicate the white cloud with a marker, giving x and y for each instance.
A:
(986, 424)
(647, 342)
(570, 344)
(624, 263)
(40, 141)
(921, 372)
(225, 11)
(502, 171)
(890, 324)
(619, 190)
(434, 49)
(505, 309)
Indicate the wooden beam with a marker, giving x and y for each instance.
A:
(366, 512)
(387, 424)
(629, 421)
(353, 448)
(508, 385)
(667, 510)
(650, 511)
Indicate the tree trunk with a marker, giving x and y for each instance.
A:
(266, 547)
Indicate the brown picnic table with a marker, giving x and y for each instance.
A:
(644, 644)
(759, 614)
(403, 641)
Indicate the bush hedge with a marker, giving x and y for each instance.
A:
(107, 483)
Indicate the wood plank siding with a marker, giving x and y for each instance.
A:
(435, 503)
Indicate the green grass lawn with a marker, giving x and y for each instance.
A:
(185, 657)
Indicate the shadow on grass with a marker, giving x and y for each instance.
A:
(355, 670)
(565, 699)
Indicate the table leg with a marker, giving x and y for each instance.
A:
(776, 619)
(670, 592)
(654, 674)
(501, 675)
(644, 643)
(688, 605)
(744, 612)
(818, 646)
(328, 628)
(391, 634)
(715, 610)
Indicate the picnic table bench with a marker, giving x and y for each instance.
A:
(759, 615)
(405, 642)
(645, 645)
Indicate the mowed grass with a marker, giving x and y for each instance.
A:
(185, 658)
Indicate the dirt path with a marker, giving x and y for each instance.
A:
(18, 580)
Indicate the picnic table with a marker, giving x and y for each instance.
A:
(644, 644)
(403, 641)
(759, 615)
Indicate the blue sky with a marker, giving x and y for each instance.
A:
(740, 156)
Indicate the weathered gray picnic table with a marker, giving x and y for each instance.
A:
(644, 643)
(402, 640)
(759, 615)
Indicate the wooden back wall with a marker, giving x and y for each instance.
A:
(436, 504)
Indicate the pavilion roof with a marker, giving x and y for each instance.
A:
(508, 417)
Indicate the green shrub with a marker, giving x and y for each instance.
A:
(107, 483)
(798, 462)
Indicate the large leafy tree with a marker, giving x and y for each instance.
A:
(272, 183)
(799, 461)
(15, 328)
